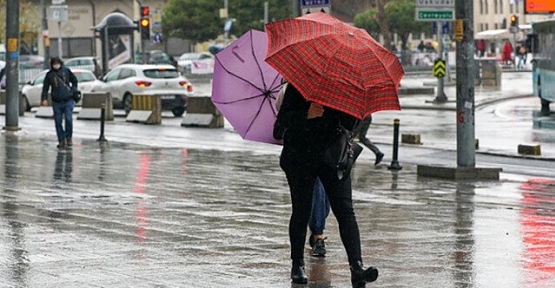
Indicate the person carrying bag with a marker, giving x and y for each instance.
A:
(58, 80)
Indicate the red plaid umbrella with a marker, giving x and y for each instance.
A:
(335, 64)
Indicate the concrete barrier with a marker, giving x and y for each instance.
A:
(91, 106)
(201, 112)
(3, 103)
(529, 149)
(410, 138)
(146, 109)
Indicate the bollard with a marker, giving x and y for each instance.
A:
(102, 116)
(394, 163)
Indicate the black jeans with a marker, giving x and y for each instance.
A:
(301, 173)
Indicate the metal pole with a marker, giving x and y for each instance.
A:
(266, 16)
(394, 163)
(102, 120)
(45, 36)
(12, 63)
(60, 39)
(296, 8)
(440, 95)
(466, 153)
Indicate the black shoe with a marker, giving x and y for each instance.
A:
(61, 145)
(360, 276)
(379, 158)
(311, 240)
(298, 275)
(319, 248)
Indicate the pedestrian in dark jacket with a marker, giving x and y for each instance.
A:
(311, 128)
(63, 83)
(362, 137)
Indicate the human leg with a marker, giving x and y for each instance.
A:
(317, 222)
(68, 113)
(57, 109)
(301, 179)
(340, 196)
(362, 137)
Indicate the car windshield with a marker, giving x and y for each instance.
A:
(84, 77)
(161, 73)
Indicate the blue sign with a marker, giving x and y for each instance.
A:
(157, 38)
(308, 3)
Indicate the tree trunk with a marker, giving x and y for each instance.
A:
(384, 25)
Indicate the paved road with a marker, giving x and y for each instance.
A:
(167, 206)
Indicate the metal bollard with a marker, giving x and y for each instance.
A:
(102, 120)
(394, 163)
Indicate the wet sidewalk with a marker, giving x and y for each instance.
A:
(128, 215)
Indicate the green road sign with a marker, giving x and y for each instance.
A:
(435, 15)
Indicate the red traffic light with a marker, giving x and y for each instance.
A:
(145, 22)
(145, 11)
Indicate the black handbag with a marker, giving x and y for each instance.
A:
(342, 152)
(76, 96)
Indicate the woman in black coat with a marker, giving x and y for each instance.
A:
(310, 128)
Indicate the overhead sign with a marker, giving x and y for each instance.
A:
(435, 3)
(309, 3)
(425, 14)
(539, 6)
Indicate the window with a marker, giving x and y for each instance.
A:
(500, 6)
(161, 73)
(126, 73)
(112, 75)
(482, 7)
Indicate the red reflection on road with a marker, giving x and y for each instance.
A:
(538, 230)
(141, 213)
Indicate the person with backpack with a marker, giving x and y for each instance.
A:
(63, 83)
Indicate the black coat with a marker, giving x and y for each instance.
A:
(60, 92)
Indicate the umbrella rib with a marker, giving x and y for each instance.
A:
(239, 77)
(258, 113)
(240, 100)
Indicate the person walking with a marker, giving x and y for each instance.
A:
(317, 222)
(310, 127)
(362, 137)
(59, 78)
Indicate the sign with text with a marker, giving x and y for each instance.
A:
(312, 3)
(424, 14)
(435, 3)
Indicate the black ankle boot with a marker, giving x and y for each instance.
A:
(360, 276)
(298, 276)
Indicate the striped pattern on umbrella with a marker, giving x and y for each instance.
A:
(335, 64)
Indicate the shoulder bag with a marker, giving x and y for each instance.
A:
(75, 94)
(342, 152)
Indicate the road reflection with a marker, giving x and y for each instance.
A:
(537, 218)
(464, 235)
(141, 212)
(18, 261)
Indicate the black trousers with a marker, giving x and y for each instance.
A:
(362, 135)
(301, 173)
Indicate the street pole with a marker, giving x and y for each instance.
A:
(440, 96)
(60, 39)
(296, 8)
(466, 154)
(45, 36)
(12, 65)
(266, 16)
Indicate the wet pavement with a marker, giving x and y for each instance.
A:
(179, 207)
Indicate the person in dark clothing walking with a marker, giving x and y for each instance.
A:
(362, 137)
(63, 83)
(310, 129)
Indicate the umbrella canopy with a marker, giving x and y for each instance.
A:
(335, 64)
(245, 87)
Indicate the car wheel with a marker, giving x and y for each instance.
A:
(27, 105)
(178, 111)
(127, 103)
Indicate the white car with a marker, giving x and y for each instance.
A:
(185, 61)
(32, 90)
(127, 79)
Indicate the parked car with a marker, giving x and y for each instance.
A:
(128, 79)
(157, 57)
(32, 90)
(31, 61)
(186, 60)
(88, 63)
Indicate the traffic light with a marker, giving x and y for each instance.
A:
(144, 23)
(514, 20)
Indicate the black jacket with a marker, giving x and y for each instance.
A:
(309, 137)
(60, 92)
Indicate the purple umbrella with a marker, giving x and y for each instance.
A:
(245, 87)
